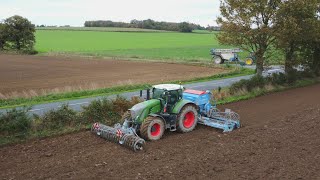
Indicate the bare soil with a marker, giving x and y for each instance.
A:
(280, 139)
(34, 75)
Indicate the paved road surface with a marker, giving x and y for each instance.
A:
(77, 104)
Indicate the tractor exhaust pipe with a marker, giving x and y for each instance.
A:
(125, 137)
(148, 94)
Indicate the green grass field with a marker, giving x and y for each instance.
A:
(134, 43)
(140, 45)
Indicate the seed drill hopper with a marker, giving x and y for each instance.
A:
(171, 108)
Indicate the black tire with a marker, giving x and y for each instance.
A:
(218, 60)
(152, 128)
(187, 119)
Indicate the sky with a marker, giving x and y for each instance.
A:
(76, 12)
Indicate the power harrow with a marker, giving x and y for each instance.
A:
(172, 108)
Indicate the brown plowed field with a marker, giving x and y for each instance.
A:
(280, 139)
(31, 75)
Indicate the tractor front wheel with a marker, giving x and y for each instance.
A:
(152, 128)
(187, 119)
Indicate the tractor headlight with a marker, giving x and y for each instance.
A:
(137, 109)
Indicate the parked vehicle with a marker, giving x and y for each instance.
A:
(230, 55)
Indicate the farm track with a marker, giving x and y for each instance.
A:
(279, 140)
(32, 75)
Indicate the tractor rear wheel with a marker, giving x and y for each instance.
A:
(249, 61)
(152, 128)
(187, 119)
(218, 60)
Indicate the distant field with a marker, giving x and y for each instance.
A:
(140, 45)
(103, 29)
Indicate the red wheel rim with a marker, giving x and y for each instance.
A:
(155, 129)
(188, 120)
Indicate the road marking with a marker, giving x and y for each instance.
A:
(78, 104)
(40, 109)
(37, 109)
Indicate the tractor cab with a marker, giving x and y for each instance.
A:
(168, 94)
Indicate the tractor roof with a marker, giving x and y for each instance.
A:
(169, 87)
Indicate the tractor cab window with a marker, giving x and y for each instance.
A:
(157, 93)
(174, 97)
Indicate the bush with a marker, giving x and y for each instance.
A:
(100, 111)
(15, 122)
(107, 111)
(292, 76)
(278, 79)
(30, 52)
(57, 119)
(256, 81)
(249, 85)
(307, 73)
(121, 104)
(235, 87)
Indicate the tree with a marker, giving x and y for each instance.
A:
(297, 30)
(185, 27)
(248, 24)
(3, 36)
(20, 33)
(146, 24)
(311, 49)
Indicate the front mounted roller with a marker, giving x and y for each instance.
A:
(152, 128)
(125, 137)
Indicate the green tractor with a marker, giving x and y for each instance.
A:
(166, 110)
(149, 119)
(169, 108)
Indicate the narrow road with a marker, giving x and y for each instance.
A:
(77, 104)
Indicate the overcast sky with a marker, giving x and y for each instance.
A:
(76, 12)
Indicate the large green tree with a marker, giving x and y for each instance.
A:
(20, 33)
(311, 49)
(3, 36)
(248, 24)
(297, 30)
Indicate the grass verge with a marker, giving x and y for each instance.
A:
(11, 103)
(16, 126)
(264, 91)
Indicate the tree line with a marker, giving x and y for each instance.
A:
(291, 26)
(17, 33)
(147, 24)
